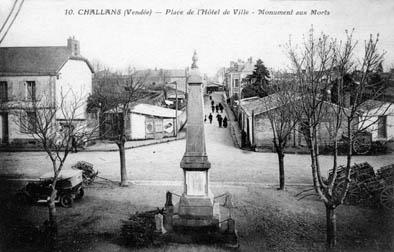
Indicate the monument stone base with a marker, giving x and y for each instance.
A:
(196, 211)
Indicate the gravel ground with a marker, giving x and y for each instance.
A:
(266, 220)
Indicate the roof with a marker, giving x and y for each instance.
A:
(48, 60)
(214, 84)
(147, 109)
(376, 108)
(259, 105)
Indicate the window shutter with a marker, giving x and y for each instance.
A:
(21, 94)
(9, 91)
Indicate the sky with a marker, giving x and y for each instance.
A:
(168, 41)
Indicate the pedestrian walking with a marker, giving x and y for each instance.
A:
(213, 109)
(221, 108)
(74, 144)
(220, 120)
(210, 97)
(210, 118)
(205, 118)
(225, 122)
(217, 108)
(212, 103)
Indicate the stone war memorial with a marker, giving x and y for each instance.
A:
(199, 216)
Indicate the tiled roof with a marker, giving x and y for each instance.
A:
(46, 60)
(258, 105)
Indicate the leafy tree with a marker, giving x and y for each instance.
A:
(257, 82)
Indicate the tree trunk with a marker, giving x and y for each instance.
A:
(331, 228)
(123, 172)
(281, 156)
(50, 226)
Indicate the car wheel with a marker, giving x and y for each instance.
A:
(80, 194)
(66, 200)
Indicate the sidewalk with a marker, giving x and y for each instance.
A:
(234, 127)
(111, 146)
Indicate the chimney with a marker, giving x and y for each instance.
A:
(73, 46)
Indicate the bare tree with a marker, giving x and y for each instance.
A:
(115, 95)
(280, 106)
(54, 125)
(321, 62)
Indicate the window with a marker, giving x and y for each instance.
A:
(236, 83)
(28, 123)
(3, 91)
(31, 90)
(382, 127)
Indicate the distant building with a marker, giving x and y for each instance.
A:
(213, 87)
(235, 77)
(155, 78)
(28, 73)
(256, 127)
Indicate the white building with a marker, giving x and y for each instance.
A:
(378, 118)
(40, 72)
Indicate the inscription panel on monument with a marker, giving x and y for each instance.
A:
(195, 182)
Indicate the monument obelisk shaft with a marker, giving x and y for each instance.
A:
(196, 204)
(195, 156)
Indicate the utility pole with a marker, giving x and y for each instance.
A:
(176, 109)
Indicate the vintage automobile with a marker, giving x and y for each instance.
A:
(69, 188)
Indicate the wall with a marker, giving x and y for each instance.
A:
(17, 90)
(386, 109)
(262, 131)
(137, 126)
(75, 75)
(18, 95)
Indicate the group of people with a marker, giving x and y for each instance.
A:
(218, 107)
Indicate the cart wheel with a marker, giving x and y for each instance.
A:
(387, 197)
(66, 200)
(80, 194)
(352, 196)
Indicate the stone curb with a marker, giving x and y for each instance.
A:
(133, 147)
(98, 150)
(232, 128)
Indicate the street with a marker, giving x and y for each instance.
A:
(160, 163)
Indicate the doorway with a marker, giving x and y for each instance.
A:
(4, 128)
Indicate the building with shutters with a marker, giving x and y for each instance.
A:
(28, 73)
